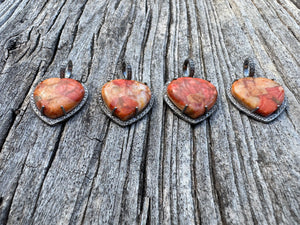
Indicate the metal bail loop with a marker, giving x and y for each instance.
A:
(62, 72)
(249, 67)
(67, 73)
(188, 63)
(127, 71)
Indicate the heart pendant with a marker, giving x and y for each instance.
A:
(261, 98)
(124, 100)
(56, 99)
(192, 99)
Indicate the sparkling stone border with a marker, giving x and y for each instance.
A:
(256, 116)
(122, 123)
(186, 118)
(52, 122)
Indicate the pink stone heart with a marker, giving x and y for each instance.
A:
(53, 93)
(126, 98)
(260, 94)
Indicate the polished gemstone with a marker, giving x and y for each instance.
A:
(192, 95)
(126, 98)
(55, 93)
(259, 94)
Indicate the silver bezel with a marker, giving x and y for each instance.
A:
(132, 120)
(254, 115)
(52, 122)
(183, 116)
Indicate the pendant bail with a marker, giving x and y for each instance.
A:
(62, 73)
(69, 69)
(188, 63)
(249, 67)
(67, 73)
(127, 71)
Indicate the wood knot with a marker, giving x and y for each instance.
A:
(13, 43)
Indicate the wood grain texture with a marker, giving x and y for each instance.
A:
(229, 169)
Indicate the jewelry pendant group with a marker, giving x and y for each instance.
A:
(126, 101)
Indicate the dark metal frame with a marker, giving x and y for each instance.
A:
(180, 113)
(127, 72)
(249, 71)
(66, 116)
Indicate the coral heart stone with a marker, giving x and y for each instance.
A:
(125, 96)
(53, 93)
(258, 92)
(194, 92)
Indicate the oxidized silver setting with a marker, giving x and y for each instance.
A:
(55, 121)
(254, 115)
(249, 70)
(131, 120)
(176, 110)
(127, 71)
(181, 115)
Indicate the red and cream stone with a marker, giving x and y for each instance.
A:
(53, 93)
(196, 93)
(258, 92)
(125, 96)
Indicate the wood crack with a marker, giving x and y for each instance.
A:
(9, 122)
(197, 215)
(54, 48)
(215, 185)
(56, 17)
(126, 180)
(86, 187)
(251, 146)
(189, 30)
(168, 41)
(27, 96)
(97, 154)
(55, 149)
(37, 41)
(5, 209)
(8, 127)
(75, 30)
(92, 52)
(102, 21)
(266, 20)
(142, 178)
(279, 16)
(144, 42)
(10, 13)
(289, 11)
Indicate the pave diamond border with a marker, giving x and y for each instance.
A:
(132, 120)
(182, 115)
(52, 122)
(256, 116)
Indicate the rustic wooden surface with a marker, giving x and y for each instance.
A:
(229, 169)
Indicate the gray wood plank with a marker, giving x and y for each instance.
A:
(229, 169)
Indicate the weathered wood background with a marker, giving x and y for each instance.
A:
(229, 169)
